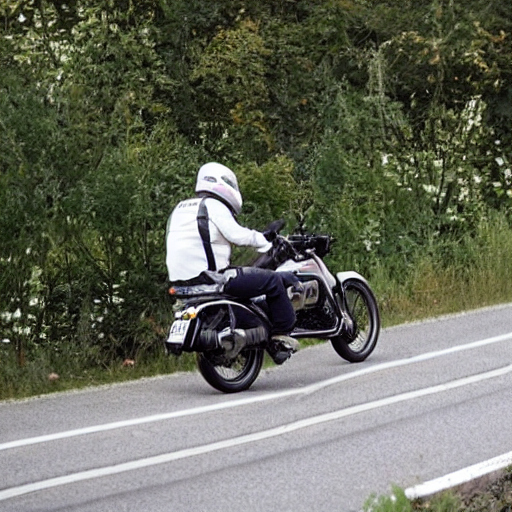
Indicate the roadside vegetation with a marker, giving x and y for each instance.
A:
(384, 124)
(496, 496)
(386, 127)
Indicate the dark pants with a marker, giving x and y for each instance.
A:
(253, 282)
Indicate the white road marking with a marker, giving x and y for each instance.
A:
(459, 477)
(253, 399)
(249, 438)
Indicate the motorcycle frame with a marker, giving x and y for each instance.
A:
(321, 273)
(329, 284)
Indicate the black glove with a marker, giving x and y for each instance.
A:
(270, 235)
(273, 229)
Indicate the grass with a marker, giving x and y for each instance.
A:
(462, 274)
(495, 496)
(42, 374)
(398, 502)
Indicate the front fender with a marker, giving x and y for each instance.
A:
(341, 277)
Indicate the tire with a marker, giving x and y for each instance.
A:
(362, 307)
(231, 376)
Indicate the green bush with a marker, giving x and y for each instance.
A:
(386, 129)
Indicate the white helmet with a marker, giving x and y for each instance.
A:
(219, 180)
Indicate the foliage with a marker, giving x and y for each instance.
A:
(397, 502)
(496, 496)
(388, 127)
(230, 79)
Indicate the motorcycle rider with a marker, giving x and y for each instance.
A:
(200, 232)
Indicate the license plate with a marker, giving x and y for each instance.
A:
(178, 332)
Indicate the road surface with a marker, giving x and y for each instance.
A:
(317, 433)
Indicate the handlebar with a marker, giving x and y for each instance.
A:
(291, 247)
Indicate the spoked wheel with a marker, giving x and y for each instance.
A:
(231, 375)
(361, 331)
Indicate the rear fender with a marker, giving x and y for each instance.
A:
(220, 302)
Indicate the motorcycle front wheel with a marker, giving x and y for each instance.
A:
(232, 375)
(357, 342)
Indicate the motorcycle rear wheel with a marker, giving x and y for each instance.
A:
(231, 376)
(362, 308)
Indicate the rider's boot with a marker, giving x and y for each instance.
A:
(281, 347)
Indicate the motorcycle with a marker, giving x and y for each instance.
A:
(230, 336)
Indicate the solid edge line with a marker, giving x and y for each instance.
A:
(311, 388)
(459, 477)
(249, 438)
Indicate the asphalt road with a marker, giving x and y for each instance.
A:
(314, 434)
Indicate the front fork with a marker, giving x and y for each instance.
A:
(349, 324)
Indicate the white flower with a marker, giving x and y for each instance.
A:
(17, 314)
(6, 316)
(34, 301)
(6, 340)
(430, 189)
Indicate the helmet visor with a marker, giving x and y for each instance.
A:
(231, 182)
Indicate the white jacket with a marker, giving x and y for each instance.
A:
(186, 257)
